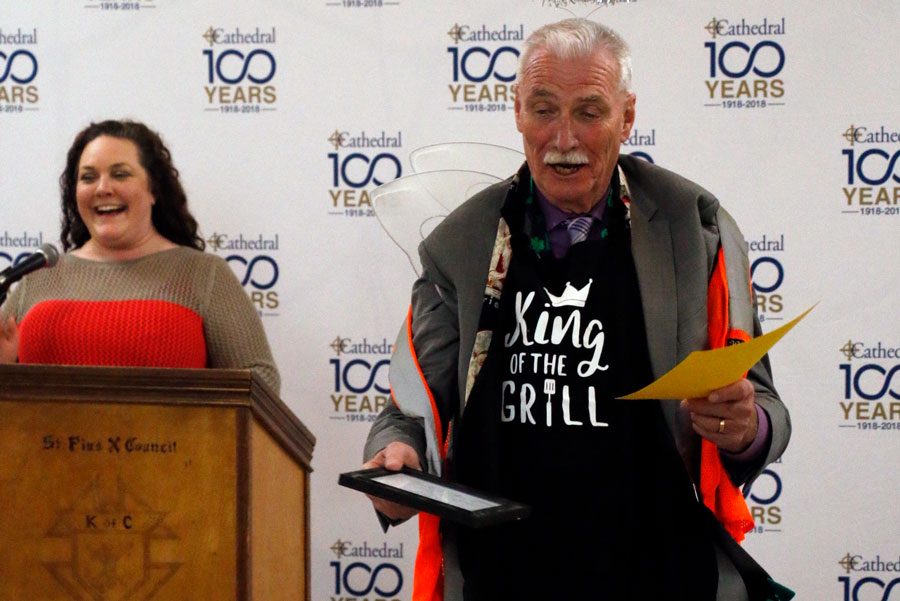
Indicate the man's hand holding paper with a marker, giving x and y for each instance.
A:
(727, 417)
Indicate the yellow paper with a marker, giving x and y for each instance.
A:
(701, 372)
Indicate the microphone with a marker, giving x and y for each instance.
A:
(45, 256)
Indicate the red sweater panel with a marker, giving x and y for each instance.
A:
(133, 333)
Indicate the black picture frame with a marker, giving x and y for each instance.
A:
(454, 502)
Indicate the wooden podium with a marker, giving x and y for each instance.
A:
(133, 484)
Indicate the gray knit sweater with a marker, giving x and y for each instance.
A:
(196, 280)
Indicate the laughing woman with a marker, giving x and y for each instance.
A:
(134, 287)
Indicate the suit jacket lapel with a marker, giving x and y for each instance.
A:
(654, 262)
(651, 246)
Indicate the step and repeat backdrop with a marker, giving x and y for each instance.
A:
(283, 116)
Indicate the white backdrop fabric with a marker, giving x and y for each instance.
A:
(284, 115)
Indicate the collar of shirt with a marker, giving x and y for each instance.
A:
(554, 217)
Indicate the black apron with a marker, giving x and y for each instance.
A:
(615, 515)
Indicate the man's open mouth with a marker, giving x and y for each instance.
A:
(566, 168)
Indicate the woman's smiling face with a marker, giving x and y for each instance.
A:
(113, 194)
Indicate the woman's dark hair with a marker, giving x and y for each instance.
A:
(170, 214)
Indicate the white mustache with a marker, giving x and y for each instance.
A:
(573, 157)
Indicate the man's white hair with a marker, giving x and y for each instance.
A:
(576, 38)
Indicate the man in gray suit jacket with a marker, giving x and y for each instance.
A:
(581, 278)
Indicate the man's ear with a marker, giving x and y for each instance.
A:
(629, 115)
(518, 111)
